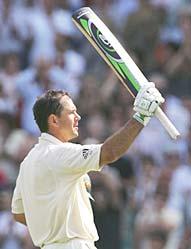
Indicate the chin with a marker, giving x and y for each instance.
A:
(73, 137)
(75, 134)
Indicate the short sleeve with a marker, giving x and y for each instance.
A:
(77, 158)
(17, 204)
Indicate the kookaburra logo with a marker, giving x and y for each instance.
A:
(104, 40)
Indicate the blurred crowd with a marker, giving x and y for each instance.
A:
(142, 201)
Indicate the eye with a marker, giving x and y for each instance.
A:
(73, 112)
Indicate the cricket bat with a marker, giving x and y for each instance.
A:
(117, 58)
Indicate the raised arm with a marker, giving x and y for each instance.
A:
(145, 105)
(117, 144)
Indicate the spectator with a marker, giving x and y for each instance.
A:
(8, 74)
(106, 190)
(12, 234)
(140, 39)
(7, 124)
(180, 194)
(155, 216)
(148, 179)
(31, 83)
(10, 40)
(178, 66)
(127, 172)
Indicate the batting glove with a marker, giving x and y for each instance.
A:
(146, 102)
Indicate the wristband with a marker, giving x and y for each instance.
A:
(144, 120)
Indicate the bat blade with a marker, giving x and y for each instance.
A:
(116, 57)
(88, 22)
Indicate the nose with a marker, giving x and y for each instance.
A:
(78, 116)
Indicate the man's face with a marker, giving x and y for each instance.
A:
(68, 120)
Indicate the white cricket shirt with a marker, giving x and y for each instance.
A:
(50, 191)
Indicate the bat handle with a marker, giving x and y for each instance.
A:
(167, 124)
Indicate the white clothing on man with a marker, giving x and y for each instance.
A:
(51, 192)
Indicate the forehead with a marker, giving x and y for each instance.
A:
(67, 103)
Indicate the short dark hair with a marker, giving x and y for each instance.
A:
(47, 104)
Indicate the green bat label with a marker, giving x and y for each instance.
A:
(103, 43)
(113, 57)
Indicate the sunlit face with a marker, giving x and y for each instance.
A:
(68, 120)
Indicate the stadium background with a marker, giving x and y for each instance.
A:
(143, 200)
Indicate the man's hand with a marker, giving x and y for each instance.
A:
(20, 218)
(146, 102)
(148, 99)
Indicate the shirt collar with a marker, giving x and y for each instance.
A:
(49, 138)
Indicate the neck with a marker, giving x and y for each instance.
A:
(58, 136)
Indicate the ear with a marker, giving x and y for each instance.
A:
(53, 121)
